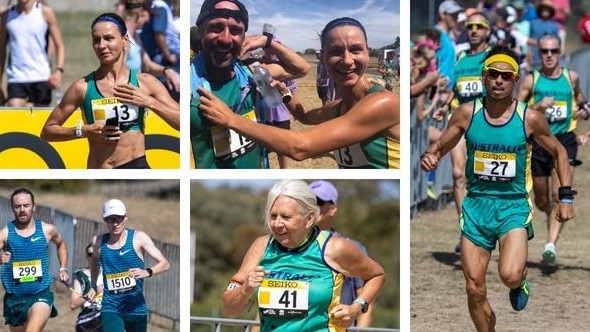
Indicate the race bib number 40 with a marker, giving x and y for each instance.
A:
(284, 298)
(469, 86)
(490, 166)
(27, 271)
(120, 282)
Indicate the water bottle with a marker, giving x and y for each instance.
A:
(271, 95)
(57, 95)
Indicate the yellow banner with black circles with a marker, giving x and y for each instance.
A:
(21, 147)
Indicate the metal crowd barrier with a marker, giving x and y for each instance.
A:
(443, 178)
(162, 292)
(217, 323)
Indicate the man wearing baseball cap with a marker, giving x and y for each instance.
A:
(327, 199)
(121, 254)
(448, 14)
(218, 73)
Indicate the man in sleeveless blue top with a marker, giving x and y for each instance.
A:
(498, 131)
(121, 254)
(28, 302)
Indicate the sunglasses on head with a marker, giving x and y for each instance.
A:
(506, 75)
(114, 219)
(476, 26)
(552, 50)
(321, 202)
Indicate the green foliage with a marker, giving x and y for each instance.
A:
(227, 220)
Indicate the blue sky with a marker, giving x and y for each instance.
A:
(298, 22)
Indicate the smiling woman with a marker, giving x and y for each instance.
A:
(299, 269)
(362, 128)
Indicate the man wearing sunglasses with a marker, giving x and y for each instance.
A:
(556, 93)
(497, 208)
(121, 254)
(24, 243)
(468, 87)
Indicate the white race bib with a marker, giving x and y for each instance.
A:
(557, 112)
(27, 271)
(284, 298)
(227, 142)
(120, 282)
(108, 108)
(469, 86)
(494, 166)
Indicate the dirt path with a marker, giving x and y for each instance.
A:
(559, 297)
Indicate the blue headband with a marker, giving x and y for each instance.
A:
(342, 21)
(105, 18)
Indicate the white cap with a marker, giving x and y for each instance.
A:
(449, 7)
(113, 207)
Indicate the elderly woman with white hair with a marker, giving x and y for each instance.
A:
(297, 271)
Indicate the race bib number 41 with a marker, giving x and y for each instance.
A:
(490, 166)
(284, 298)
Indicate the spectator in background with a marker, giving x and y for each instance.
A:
(88, 319)
(161, 40)
(25, 29)
(562, 13)
(543, 25)
(503, 33)
(277, 116)
(136, 15)
(389, 68)
(324, 84)
(448, 13)
(530, 10)
(522, 25)
(327, 200)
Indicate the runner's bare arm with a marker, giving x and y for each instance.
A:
(147, 245)
(239, 292)
(152, 94)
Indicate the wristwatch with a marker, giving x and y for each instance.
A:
(364, 304)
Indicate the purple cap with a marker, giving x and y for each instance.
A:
(325, 191)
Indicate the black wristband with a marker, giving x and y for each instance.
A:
(269, 37)
(149, 271)
(424, 154)
(566, 192)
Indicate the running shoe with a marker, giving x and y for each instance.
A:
(549, 253)
(519, 296)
